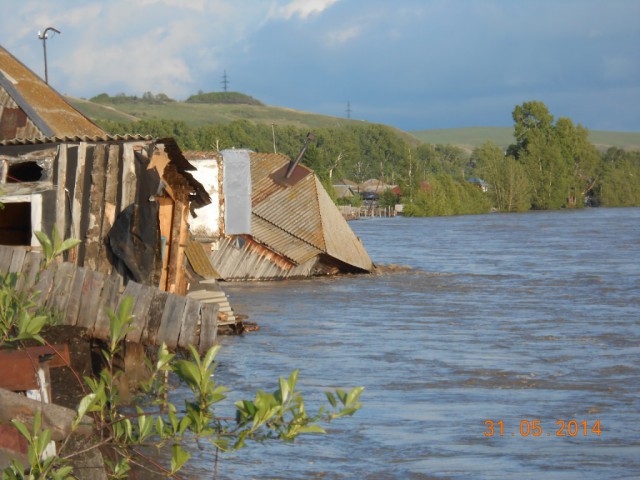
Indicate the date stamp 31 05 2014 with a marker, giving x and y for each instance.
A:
(535, 428)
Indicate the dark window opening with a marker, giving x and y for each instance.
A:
(24, 172)
(15, 224)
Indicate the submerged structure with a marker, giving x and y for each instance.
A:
(271, 218)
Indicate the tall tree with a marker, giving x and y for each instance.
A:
(508, 182)
(540, 152)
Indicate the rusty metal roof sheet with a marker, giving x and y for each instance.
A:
(294, 208)
(340, 241)
(281, 241)
(303, 211)
(45, 107)
(295, 219)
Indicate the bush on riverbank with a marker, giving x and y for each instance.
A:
(447, 196)
(125, 430)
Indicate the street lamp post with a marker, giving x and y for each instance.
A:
(43, 36)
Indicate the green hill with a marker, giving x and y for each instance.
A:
(471, 137)
(244, 107)
(198, 114)
(96, 111)
(195, 114)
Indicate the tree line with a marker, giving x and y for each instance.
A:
(550, 165)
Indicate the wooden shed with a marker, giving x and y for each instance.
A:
(126, 197)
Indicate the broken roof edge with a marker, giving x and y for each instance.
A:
(78, 138)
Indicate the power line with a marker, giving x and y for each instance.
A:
(225, 81)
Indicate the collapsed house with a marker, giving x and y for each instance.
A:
(271, 218)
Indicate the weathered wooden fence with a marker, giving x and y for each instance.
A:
(80, 297)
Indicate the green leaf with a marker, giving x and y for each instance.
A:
(164, 357)
(43, 440)
(67, 244)
(45, 242)
(293, 379)
(332, 399)
(354, 394)
(22, 429)
(64, 472)
(284, 389)
(188, 372)
(311, 429)
(184, 424)
(178, 457)
(210, 356)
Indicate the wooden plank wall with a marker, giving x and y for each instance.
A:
(80, 297)
(101, 180)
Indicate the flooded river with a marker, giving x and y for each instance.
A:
(530, 321)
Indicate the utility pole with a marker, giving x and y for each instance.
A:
(348, 110)
(225, 81)
(43, 36)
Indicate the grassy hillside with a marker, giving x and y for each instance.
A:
(198, 114)
(101, 112)
(469, 138)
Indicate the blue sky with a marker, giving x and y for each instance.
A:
(414, 64)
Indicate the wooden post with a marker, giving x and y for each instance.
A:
(96, 209)
(174, 250)
(78, 196)
(110, 199)
(60, 182)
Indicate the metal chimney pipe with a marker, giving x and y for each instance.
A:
(293, 163)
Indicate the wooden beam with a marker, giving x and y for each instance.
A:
(60, 180)
(19, 368)
(54, 417)
(76, 204)
(128, 177)
(90, 300)
(108, 299)
(112, 182)
(73, 303)
(156, 309)
(93, 239)
(171, 322)
(190, 320)
(174, 250)
(181, 278)
(208, 326)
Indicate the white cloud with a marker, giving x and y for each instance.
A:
(338, 37)
(301, 8)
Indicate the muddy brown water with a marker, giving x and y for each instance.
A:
(513, 319)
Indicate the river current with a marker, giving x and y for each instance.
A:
(504, 318)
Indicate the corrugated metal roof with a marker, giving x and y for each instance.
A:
(302, 211)
(78, 138)
(294, 208)
(45, 107)
(296, 220)
(340, 241)
(281, 241)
